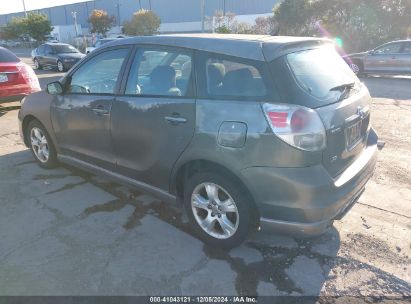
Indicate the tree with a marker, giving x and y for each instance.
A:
(101, 22)
(143, 23)
(36, 26)
(360, 24)
(265, 26)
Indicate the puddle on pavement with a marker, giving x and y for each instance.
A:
(275, 261)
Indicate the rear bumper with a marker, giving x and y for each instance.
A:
(305, 201)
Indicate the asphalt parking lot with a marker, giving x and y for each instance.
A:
(67, 232)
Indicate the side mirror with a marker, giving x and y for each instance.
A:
(55, 88)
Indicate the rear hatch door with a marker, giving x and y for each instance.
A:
(320, 79)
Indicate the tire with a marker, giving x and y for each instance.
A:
(60, 66)
(37, 65)
(357, 67)
(199, 207)
(40, 143)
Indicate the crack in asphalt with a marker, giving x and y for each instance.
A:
(385, 210)
(271, 269)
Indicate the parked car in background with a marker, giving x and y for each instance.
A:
(56, 55)
(390, 58)
(99, 43)
(246, 131)
(17, 79)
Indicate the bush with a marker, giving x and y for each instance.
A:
(101, 22)
(143, 23)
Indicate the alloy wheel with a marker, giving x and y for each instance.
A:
(39, 144)
(60, 66)
(355, 68)
(215, 210)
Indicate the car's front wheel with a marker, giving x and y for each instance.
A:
(37, 64)
(41, 145)
(218, 209)
(60, 66)
(357, 67)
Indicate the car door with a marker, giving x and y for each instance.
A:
(81, 115)
(383, 59)
(404, 58)
(49, 57)
(40, 54)
(153, 120)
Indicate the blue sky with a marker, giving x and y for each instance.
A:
(11, 6)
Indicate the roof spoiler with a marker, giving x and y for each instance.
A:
(273, 51)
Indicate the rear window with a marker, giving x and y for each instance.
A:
(7, 56)
(317, 71)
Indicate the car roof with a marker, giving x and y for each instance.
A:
(56, 43)
(256, 47)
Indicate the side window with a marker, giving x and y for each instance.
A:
(407, 48)
(40, 50)
(160, 73)
(99, 75)
(229, 78)
(391, 48)
(47, 49)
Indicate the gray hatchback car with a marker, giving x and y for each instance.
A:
(247, 131)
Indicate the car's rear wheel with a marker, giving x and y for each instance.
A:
(41, 145)
(60, 66)
(218, 209)
(37, 64)
(357, 67)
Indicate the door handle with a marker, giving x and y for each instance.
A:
(100, 110)
(173, 120)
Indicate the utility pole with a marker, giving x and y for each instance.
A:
(118, 13)
(74, 14)
(139, 1)
(202, 15)
(24, 7)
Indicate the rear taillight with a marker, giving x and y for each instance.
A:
(298, 126)
(30, 77)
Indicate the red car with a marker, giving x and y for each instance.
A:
(17, 79)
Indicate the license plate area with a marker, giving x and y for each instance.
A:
(353, 135)
(3, 77)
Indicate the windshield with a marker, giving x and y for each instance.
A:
(58, 49)
(320, 71)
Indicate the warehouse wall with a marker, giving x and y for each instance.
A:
(170, 11)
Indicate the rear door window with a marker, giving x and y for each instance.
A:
(231, 78)
(392, 48)
(319, 71)
(406, 48)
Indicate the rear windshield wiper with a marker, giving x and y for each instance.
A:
(344, 89)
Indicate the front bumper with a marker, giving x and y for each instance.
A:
(305, 201)
(69, 64)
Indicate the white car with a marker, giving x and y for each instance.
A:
(99, 43)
